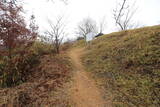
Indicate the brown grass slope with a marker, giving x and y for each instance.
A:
(45, 87)
(128, 64)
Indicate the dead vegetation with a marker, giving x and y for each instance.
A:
(31, 73)
(127, 64)
(43, 87)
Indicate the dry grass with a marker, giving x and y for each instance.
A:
(44, 87)
(128, 64)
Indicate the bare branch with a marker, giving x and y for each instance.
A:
(56, 32)
(123, 14)
(120, 11)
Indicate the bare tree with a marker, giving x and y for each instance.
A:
(56, 32)
(86, 26)
(123, 14)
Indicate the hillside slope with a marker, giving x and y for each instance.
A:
(45, 86)
(127, 64)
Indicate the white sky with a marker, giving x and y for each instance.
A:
(148, 12)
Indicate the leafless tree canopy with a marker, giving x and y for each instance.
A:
(123, 14)
(86, 26)
(56, 32)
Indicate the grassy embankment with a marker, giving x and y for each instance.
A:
(127, 64)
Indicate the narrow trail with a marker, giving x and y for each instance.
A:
(84, 92)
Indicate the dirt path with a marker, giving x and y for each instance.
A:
(84, 92)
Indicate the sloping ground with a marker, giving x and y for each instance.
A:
(45, 86)
(83, 92)
(127, 64)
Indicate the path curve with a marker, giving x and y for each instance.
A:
(84, 92)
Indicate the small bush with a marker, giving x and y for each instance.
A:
(80, 43)
(66, 46)
(15, 71)
(41, 48)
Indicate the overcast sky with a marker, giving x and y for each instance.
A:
(147, 14)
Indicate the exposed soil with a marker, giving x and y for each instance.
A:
(84, 92)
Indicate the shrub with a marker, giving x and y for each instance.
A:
(15, 71)
(67, 45)
(15, 41)
(41, 48)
